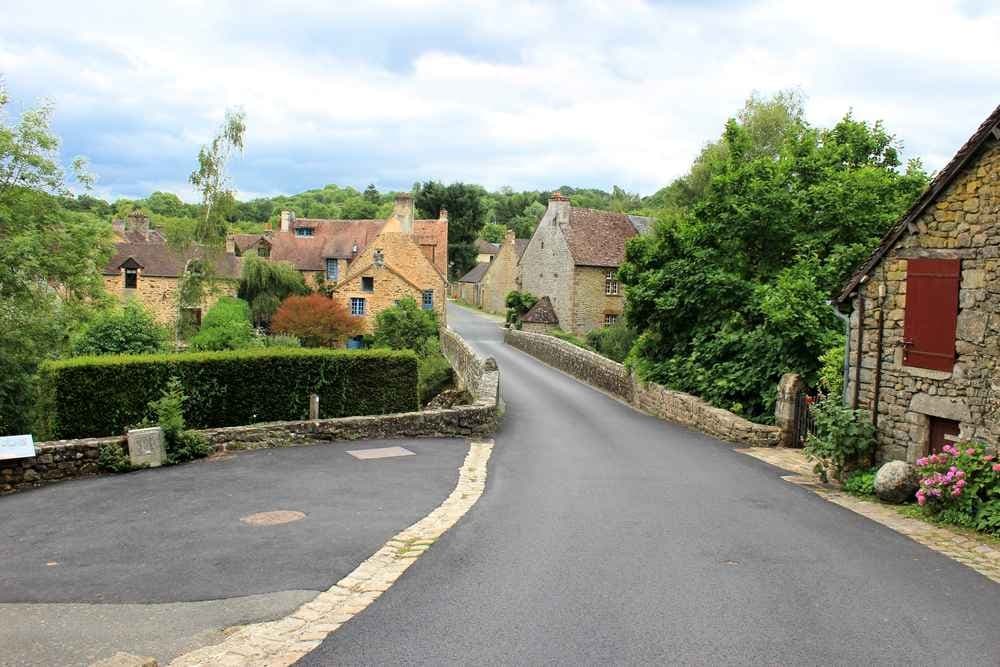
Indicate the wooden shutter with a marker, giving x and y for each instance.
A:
(931, 313)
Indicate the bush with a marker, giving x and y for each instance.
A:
(405, 326)
(127, 330)
(435, 371)
(614, 341)
(518, 303)
(113, 458)
(316, 320)
(226, 326)
(181, 445)
(843, 438)
(961, 485)
(569, 338)
(831, 372)
(96, 396)
(861, 482)
(281, 340)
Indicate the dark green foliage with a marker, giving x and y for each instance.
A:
(435, 371)
(518, 303)
(112, 457)
(731, 289)
(861, 482)
(405, 326)
(613, 342)
(181, 445)
(466, 215)
(127, 330)
(97, 396)
(844, 438)
(226, 326)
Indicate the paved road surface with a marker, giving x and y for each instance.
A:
(157, 561)
(608, 537)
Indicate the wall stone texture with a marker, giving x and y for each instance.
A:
(649, 397)
(590, 301)
(961, 224)
(502, 278)
(159, 294)
(547, 265)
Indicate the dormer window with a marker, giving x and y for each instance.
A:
(304, 231)
(264, 251)
(131, 278)
(332, 269)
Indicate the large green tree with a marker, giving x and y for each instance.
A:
(730, 290)
(466, 216)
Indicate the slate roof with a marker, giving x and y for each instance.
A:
(484, 247)
(597, 238)
(520, 245)
(476, 273)
(986, 131)
(157, 259)
(541, 313)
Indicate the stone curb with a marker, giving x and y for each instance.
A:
(978, 555)
(286, 640)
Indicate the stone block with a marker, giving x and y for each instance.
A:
(147, 446)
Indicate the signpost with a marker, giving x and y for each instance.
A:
(16, 447)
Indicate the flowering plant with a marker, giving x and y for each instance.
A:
(962, 484)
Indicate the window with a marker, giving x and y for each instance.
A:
(357, 306)
(931, 316)
(131, 278)
(428, 299)
(332, 269)
(367, 284)
(610, 318)
(611, 283)
(264, 250)
(303, 231)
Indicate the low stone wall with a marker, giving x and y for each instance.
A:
(66, 459)
(649, 397)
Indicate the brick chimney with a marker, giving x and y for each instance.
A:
(138, 222)
(559, 205)
(402, 212)
(443, 215)
(287, 218)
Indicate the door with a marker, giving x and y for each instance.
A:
(940, 430)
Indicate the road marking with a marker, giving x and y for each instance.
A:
(380, 452)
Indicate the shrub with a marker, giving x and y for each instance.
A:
(181, 445)
(861, 482)
(95, 396)
(435, 371)
(961, 485)
(405, 326)
(614, 341)
(569, 338)
(831, 372)
(226, 326)
(316, 320)
(127, 330)
(518, 303)
(113, 458)
(843, 438)
(281, 340)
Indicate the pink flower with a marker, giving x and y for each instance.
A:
(988, 458)
(996, 467)
(922, 461)
(970, 451)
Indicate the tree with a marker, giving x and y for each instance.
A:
(466, 216)
(371, 194)
(730, 291)
(494, 232)
(518, 303)
(317, 321)
(265, 284)
(127, 330)
(405, 326)
(212, 180)
(226, 326)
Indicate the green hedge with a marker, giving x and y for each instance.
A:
(100, 396)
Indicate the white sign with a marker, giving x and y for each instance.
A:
(16, 447)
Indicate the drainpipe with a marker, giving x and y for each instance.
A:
(846, 319)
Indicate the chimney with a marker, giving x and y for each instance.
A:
(138, 222)
(443, 215)
(287, 218)
(508, 237)
(559, 205)
(402, 211)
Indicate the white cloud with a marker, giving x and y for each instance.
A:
(521, 93)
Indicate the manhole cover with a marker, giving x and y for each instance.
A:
(380, 452)
(273, 518)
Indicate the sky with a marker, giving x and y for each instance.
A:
(530, 95)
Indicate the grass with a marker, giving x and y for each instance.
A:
(913, 511)
(571, 338)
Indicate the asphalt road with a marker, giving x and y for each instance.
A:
(606, 536)
(158, 561)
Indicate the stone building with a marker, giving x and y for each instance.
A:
(503, 275)
(145, 268)
(468, 287)
(573, 258)
(540, 318)
(924, 350)
(486, 251)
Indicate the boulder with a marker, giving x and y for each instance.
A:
(896, 482)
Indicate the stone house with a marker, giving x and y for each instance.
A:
(573, 258)
(468, 287)
(503, 275)
(486, 251)
(145, 268)
(924, 347)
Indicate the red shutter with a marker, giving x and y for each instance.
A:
(931, 313)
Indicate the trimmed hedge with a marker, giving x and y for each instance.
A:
(98, 396)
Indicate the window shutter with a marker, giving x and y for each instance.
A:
(931, 313)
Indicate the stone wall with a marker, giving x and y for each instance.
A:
(591, 303)
(159, 294)
(66, 459)
(649, 397)
(547, 265)
(502, 278)
(961, 224)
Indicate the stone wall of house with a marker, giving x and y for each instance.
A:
(468, 292)
(591, 301)
(159, 294)
(649, 397)
(547, 265)
(964, 223)
(502, 278)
